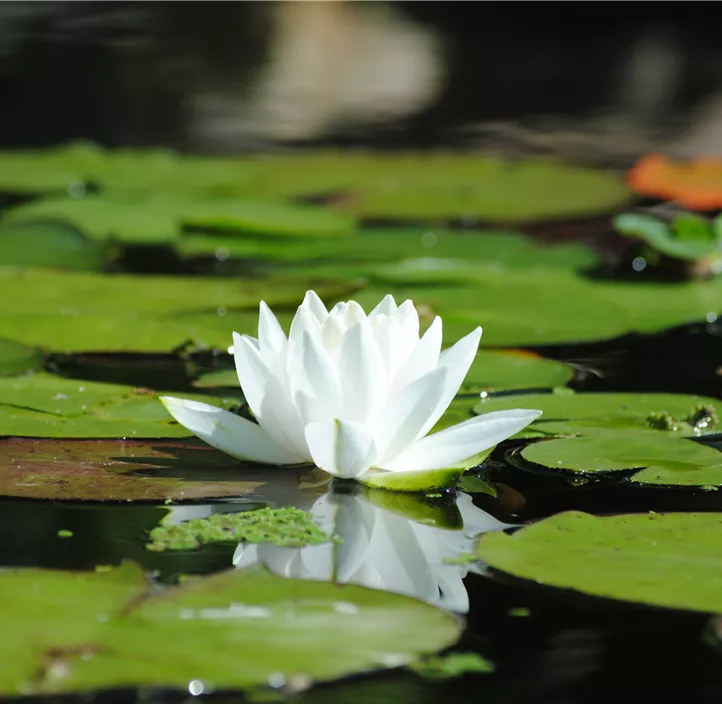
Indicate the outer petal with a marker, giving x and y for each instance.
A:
(405, 413)
(456, 360)
(252, 371)
(453, 445)
(228, 432)
(271, 338)
(342, 449)
(316, 376)
(361, 373)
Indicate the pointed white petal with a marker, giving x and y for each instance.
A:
(317, 376)
(453, 445)
(408, 319)
(386, 307)
(406, 412)
(456, 360)
(342, 449)
(252, 371)
(361, 373)
(331, 332)
(423, 359)
(314, 305)
(354, 313)
(271, 338)
(228, 432)
(280, 418)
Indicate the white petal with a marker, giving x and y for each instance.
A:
(423, 359)
(456, 360)
(342, 449)
(271, 338)
(361, 373)
(459, 442)
(331, 332)
(408, 319)
(253, 373)
(386, 307)
(317, 376)
(354, 313)
(228, 432)
(314, 305)
(406, 412)
(302, 321)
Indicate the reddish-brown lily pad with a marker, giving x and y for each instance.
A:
(128, 470)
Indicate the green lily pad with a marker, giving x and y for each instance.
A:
(368, 248)
(661, 237)
(442, 185)
(126, 219)
(16, 358)
(89, 312)
(49, 243)
(265, 218)
(75, 631)
(514, 369)
(587, 413)
(660, 459)
(424, 481)
(670, 560)
(127, 470)
(43, 405)
(33, 172)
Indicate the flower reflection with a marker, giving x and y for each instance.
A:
(397, 544)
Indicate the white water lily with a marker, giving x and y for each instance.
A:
(349, 392)
(381, 549)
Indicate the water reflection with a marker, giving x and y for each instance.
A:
(393, 542)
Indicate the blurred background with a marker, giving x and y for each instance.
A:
(592, 82)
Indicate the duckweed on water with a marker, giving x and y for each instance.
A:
(451, 665)
(286, 527)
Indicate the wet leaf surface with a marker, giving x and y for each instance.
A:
(127, 470)
(661, 459)
(671, 560)
(75, 631)
(588, 413)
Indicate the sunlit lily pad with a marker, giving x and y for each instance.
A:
(89, 312)
(586, 413)
(661, 459)
(514, 369)
(44, 405)
(16, 358)
(126, 470)
(75, 631)
(671, 560)
(424, 481)
(442, 185)
(50, 243)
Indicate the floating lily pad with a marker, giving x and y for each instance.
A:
(425, 481)
(16, 358)
(442, 185)
(126, 219)
(586, 413)
(126, 470)
(671, 560)
(43, 405)
(50, 243)
(89, 312)
(33, 172)
(265, 218)
(75, 631)
(514, 369)
(459, 252)
(160, 220)
(663, 238)
(661, 459)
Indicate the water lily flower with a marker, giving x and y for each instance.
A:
(382, 549)
(354, 394)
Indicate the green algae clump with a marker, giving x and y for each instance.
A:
(286, 527)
